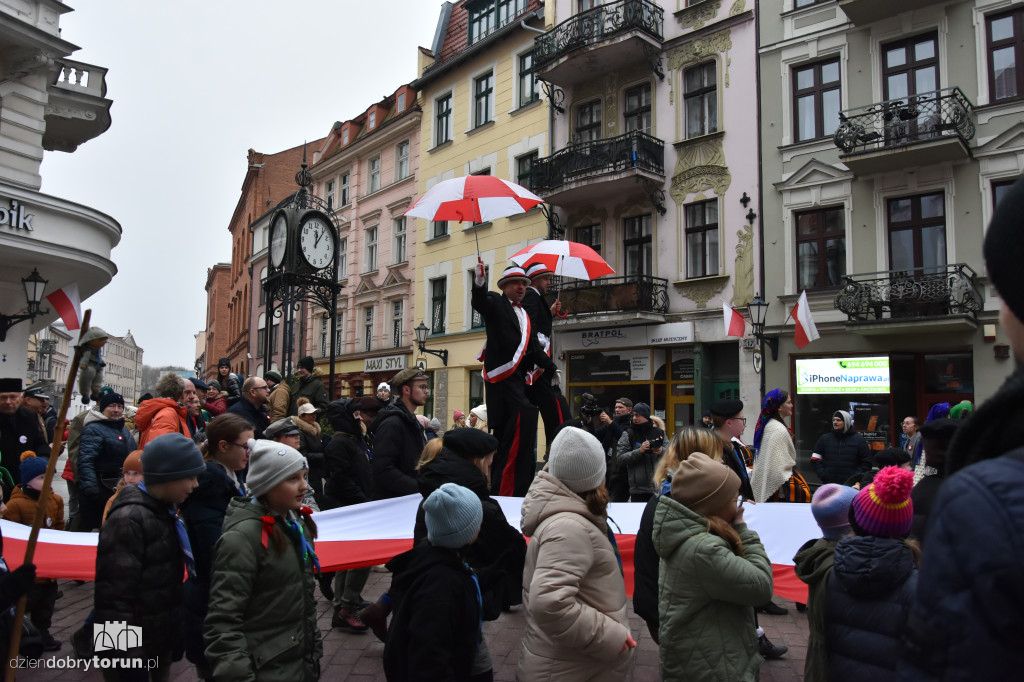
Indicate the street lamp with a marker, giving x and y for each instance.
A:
(758, 309)
(34, 285)
(421, 341)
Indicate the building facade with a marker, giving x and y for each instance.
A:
(49, 351)
(889, 131)
(366, 171)
(48, 102)
(653, 114)
(123, 372)
(217, 335)
(482, 114)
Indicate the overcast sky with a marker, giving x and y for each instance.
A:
(195, 84)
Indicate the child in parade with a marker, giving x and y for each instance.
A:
(131, 474)
(714, 572)
(262, 618)
(142, 554)
(831, 509)
(21, 508)
(436, 631)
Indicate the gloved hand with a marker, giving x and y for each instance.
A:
(16, 583)
(480, 278)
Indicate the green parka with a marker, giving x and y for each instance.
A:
(706, 598)
(814, 566)
(262, 619)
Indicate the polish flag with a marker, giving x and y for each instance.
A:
(734, 324)
(806, 331)
(68, 305)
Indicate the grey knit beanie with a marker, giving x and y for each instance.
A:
(171, 457)
(453, 515)
(577, 460)
(270, 463)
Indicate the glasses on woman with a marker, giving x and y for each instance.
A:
(740, 419)
(244, 446)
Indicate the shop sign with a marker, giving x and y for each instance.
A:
(621, 365)
(672, 333)
(388, 363)
(16, 217)
(842, 375)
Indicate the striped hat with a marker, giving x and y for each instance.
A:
(538, 270)
(831, 509)
(884, 509)
(511, 274)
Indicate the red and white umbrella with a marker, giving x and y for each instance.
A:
(474, 198)
(565, 258)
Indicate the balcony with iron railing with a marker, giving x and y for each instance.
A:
(78, 109)
(586, 169)
(918, 130)
(598, 40)
(945, 296)
(862, 12)
(624, 294)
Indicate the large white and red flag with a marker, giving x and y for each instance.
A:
(734, 322)
(374, 532)
(68, 305)
(806, 331)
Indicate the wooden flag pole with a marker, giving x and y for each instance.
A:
(44, 498)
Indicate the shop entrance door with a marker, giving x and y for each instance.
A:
(680, 413)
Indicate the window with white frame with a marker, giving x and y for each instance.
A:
(342, 258)
(344, 136)
(263, 286)
(402, 160)
(702, 239)
(372, 119)
(485, 16)
(325, 334)
(529, 86)
(700, 99)
(400, 104)
(344, 188)
(398, 234)
(330, 193)
(443, 119)
(371, 250)
(261, 335)
(368, 328)
(374, 173)
(438, 298)
(339, 332)
(483, 99)
(397, 314)
(438, 228)
(476, 320)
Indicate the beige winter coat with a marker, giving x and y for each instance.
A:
(573, 591)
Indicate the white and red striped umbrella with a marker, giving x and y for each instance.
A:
(565, 258)
(475, 198)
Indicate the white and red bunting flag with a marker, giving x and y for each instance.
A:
(735, 325)
(806, 331)
(68, 305)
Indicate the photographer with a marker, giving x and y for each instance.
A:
(639, 449)
(594, 420)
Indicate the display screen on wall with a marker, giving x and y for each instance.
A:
(842, 375)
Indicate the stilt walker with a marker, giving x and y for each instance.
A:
(543, 391)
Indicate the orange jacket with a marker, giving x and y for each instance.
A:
(158, 416)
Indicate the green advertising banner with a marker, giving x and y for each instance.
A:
(842, 375)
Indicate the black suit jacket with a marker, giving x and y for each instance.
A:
(503, 335)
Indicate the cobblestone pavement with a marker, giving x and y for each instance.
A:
(357, 658)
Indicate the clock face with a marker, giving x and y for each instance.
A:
(316, 241)
(278, 240)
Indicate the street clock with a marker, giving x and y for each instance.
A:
(278, 239)
(316, 240)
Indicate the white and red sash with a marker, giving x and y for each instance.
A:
(504, 371)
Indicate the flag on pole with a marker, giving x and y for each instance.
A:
(68, 305)
(734, 323)
(806, 331)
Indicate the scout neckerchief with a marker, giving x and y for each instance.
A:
(293, 528)
(183, 541)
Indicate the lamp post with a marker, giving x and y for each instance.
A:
(34, 285)
(758, 310)
(421, 342)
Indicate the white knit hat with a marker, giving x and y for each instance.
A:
(270, 463)
(480, 411)
(577, 460)
(453, 515)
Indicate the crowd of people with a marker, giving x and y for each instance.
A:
(914, 575)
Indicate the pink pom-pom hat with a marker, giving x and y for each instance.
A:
(884, 508)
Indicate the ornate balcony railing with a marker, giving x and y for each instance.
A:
(927, 292)
(609, 155)
(597, 24)
(640, 293)
(900, 122)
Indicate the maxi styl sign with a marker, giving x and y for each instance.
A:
(388, 363)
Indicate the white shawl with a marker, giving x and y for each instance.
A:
(775, 461)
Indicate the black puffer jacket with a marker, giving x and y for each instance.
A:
(869, 596)
(104, 445)
(349, 472)
(435, 630)
(139, 565)
(398, 441)
(838, 456)
(499, 553)
(646, 564)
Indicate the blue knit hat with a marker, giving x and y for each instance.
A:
(31, 466)
(831, 508)
(453, 515)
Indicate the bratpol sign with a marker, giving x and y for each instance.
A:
(842, 375)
